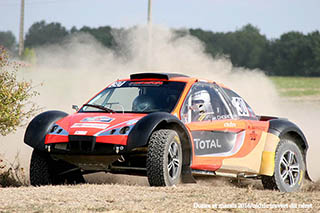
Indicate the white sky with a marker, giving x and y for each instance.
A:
(272, 17)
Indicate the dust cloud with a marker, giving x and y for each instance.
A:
(74, 72)
(306, 115)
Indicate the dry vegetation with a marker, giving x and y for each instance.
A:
(11, 173)
(122, 196)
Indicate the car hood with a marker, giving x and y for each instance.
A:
(95, 123)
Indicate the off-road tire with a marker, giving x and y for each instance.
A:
(164, 148)
(39, 169)
(46, 171)
(288, 174)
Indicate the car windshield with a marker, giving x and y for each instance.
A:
(136, 97)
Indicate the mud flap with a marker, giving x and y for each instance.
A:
(186, 175)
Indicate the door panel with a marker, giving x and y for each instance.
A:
(225, 144)
(226, 135)
(215, 140)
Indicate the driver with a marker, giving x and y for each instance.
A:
(143, 103)
(201, 108)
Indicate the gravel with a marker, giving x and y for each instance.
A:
(209, 194)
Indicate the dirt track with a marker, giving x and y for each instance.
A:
(123, 197)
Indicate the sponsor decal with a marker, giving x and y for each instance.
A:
(146, 83)
(213, 143)
(230, 124)
(89, 125)
(207, 144)
(103, 119)
(221, 117)
(80, 132)
(117, 84)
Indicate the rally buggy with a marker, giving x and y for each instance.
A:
(167, 127)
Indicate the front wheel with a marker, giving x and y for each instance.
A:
(289, 168)
(164, 158)
(46, 171)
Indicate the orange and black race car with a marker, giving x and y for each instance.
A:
(167, 127)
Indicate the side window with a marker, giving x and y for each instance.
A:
(204, 103)
(241, 107)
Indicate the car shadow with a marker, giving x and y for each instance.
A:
(107, 178)
(227, 181)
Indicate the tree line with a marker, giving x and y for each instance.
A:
(293, 54)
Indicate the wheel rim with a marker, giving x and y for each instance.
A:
(289, 168)
(173, 160)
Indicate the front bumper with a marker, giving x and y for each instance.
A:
(85, 145)
(89, 155)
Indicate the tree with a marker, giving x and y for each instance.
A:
(15, 96)
(245, 46)
(41, 33)
(213, 41)
(290, 54)
(312, 64)
(8, 40)
(102, 34)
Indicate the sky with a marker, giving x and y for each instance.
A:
(272, 17)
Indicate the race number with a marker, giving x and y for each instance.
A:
(241, 106)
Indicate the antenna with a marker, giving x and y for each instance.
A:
(149, 11)
(21, 42)
(149, 53)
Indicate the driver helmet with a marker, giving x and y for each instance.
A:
(143, 103)
(200, 102)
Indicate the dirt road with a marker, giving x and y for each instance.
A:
(210, 194)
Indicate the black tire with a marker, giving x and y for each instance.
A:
(46, 171)
(289, 168)
(39, 169)
(164, 158)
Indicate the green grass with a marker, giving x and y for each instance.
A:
(297, 86)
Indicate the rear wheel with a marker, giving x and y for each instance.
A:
(164, 158)
(46, 171)
(289, 168)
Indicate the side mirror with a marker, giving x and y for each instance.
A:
(75, 107)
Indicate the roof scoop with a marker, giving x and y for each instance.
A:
(163, 76)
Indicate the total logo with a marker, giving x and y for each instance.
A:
(207, 144)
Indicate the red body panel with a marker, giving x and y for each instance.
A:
(113, 139)
(93, 124)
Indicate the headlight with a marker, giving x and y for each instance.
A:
(57, 130)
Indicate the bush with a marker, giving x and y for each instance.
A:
(15, 105)
(15, 108)
(29, 55)
(11, 174)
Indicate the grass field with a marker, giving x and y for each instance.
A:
(297, 86)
